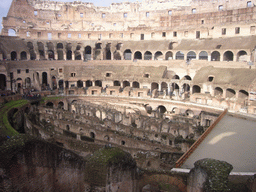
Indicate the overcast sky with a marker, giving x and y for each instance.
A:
(5, 4)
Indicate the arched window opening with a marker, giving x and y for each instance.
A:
(196, 89)
(87, 53)
(69, 55)
(176, 77)
(158, 55)
(187, 77)
(98, 83)
(228, 56)
(147, 55)
(92, 135)
(164, 87)
(242, 56)
(230, 93)
(2, 82)
(137, 55)
(218, 91)
(127, 54)
(11, 32)
(67, 128)
(126, 84)
(186, 87)
(215, 56)
(44, 79)
(203, 55)
(243, 94)
(60, 54)
(40, 46)
(108, 55)
(13, 55)
(210, 78)
(78, 55)
(50, 55)
(54, 83)
(136, 84)
(191, 55)
(179, 55)
(189, 113)
(61, 84)
(154, 86)
(117, 83)
(61, 105)
(49, 104)
(88, 83)
(117, 55)
(161, 109)
(60, 46)
(169, 55)
(80, 84)
(122, 142)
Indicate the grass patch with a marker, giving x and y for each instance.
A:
(5, 126)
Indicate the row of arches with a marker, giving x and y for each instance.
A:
(70, 52)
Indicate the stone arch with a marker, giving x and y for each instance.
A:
(2, 82)
(154, 86)
(11, 32)
(60, 46)
(19, 82)
(78, 55)
(169, 55)
(88, 83)
(175, 88)
(186, 87)
(54, 83)
(92, 135)
(80, 84)
(230, 93)
(228, 56)
(164, 86)
(27, 82)
(187, 77)
(60, 54)
(136, 84)
(49, 104)
(176, 77)
(242, 56)
(44, 79)
(108, 55)
(161, 109)
(137, 55)
(31, 50)
(61, 84)
(179, 55)
(13, 55)
(98, 83)
(242, 94)
(126, 84)
(87, 53)
(215, 56)
(69, 51)
(127, 54)
(218, 91)
(203, 55)
(158, 55)
(196, 89)
(117, 83)
(117, 55)
(50, 48)
(189, 113)
(40, 46)
(147, 55)
(60, 105)
(191, 55)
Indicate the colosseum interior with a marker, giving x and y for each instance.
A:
(147, 77)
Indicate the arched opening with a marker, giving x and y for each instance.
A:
(88, 83)
(186, 87)
(61, 105)
(187, 77)
(136, 84)
(60, 46)
(203, 55)
(67, 128)
(127, 54)
(23, 55)
(78, 55)
(196, 89)
(44, 79)
(242, 94)
(191, 55)
(98, 83)
(50, 55)
(108, 55)
(154, 86)
(147, 55)
(161, 110)
(228, 56)
(126, 84)
(189, 113)
(11, 32)
(137, 55)
(164, 87)
(117, 55)
(122, 142)
(169, 55)
(49, 104)
(117, 83)
(230, 93)
(69, 55)
(175, 89)
(158, 55)
(19, 82)
(2, 82)
(13, 55)
(176, 77)
(54, 83)
(87, 53)
(179, 55)
(60, 54)
(92, 135)
(242, 56)
(66, 84)
(218, 91)
(61, 84)
(80, 83)
(40, 46)
(215, 56)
